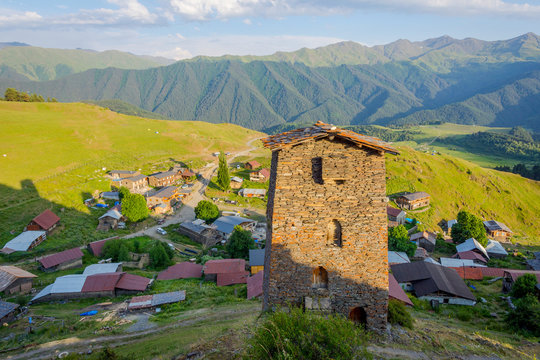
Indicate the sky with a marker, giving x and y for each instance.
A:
(180, 29)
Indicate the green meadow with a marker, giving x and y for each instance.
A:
(54, 155)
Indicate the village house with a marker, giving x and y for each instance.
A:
(497, 230)
(45, 221)
(96, 247)
(14, 280)
(261, 175)
(472, 245)
(456, 262)
(510, 277)
(252, 165)
(420, 254)
(122, 174)
(225, 225)
(226, 271)
(255, 285)
(187, 174)
(109, 220)
(471, 255)
(24, 241)
(200, 232)
(256, 260)
(167, 196)
(236, 182)
(67, 259)
(396, 292)
(413, 201)
(397, 257)
(326, 205)
(163, 178)
(136, 183)
(495, 250)
(258, 193)
(449, 225)
(433, 283)
(396, 215)
(8, 311)
(110, 195)
(183, 270)
(425, 239)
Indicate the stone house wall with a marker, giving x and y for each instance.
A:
(324, 194)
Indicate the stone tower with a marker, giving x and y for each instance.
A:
(327, 227)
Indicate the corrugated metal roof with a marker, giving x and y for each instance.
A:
(492, 272)
(431, 237)
(135, 178)
(321, 130)
(101, 268)
(113, 213)
(451, 223)
(256, 257)
(140, 302)
(244, 192)
(495, 247)
(163, 174)
(97, 246)
(168, 298)
(514, 274)
(255, 285)
(9, 274)
(395, 291)
(24, 240)
(182, 270)
(101, 282)
(237, 179)
(133, 282)
(493, 225)
(193, 227)
(226, 224)
(224, 266)
(166, 192)
(450, 262)
(392, 211)
(225, 279)
(397, 257)
(469, 273)
(429, 278)
(46, 219)
(534, 264)
(472, 244)
(471, 255)
(415, 195)
(61, 257)
(7, 308)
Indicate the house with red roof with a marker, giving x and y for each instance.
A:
(67, 259)
(183, 270)
(261, 175)
(252, 165)
(226, 271)
(96, 247)
(255, 285)
(395, 291)
(45, 221)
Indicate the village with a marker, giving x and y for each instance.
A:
(125, 281)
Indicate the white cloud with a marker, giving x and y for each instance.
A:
(180, 36)
(13, 18)
(177, 54)
(223, 9)
(247, 21)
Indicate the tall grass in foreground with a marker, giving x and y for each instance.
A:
(299, 335)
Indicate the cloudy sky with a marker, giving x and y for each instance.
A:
(185, 28)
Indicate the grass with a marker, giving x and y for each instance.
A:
(57, 155)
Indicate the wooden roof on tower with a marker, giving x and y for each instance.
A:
(321, 130)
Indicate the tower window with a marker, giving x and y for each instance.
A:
(333, 233)
(320, 278)
(316, 170)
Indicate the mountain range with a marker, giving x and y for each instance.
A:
(469, 81)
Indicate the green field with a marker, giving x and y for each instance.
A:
(56, 155)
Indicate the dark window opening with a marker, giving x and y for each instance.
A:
(320, 278)
(340, 182)
(333, 234)
(316, 170)
(358, 315)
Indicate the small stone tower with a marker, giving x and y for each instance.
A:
(327, 227)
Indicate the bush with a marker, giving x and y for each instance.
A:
(464, 315)
(524, 285)
(134, 207)
(398, 240)
(160, 255)
(239, 243)
(526, 315)
(398, 314)
(206, 210)
(299, 335)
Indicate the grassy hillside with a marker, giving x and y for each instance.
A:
(456, 184)
(55, 156)
(37, 63)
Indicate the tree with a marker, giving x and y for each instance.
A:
(123, 192)
(223, 178)
(11, 94)
(158, 256)
(239, 243)
(206, 210)
(469, 226)
(526, 315)
(134, 207)
(398, 240)
(524, 285)
(123, 253)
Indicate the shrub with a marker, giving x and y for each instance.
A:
(464, 315)
(398, 314)
(526, 315)
(239, 243)
(160, 255)
(206, 210)
(299, 335)
(524, 285)
(398, 240)
(134, 207)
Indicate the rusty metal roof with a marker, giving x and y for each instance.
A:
(396, 292)
(223, 266)
(61, 257)
(224, 279)
(133, 282)
(101, 282)
(46, 219)
(255, 285)
(181, 270)
(8, 274)
(321, 130)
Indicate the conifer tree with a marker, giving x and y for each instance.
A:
(224, 180)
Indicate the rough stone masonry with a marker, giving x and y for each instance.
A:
(327, 226)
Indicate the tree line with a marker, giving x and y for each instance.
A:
(12, 94)
(523, 170)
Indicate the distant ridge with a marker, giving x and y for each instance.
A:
(469, 81)
(13, 43)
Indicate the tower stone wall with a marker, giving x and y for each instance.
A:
(327, 214)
